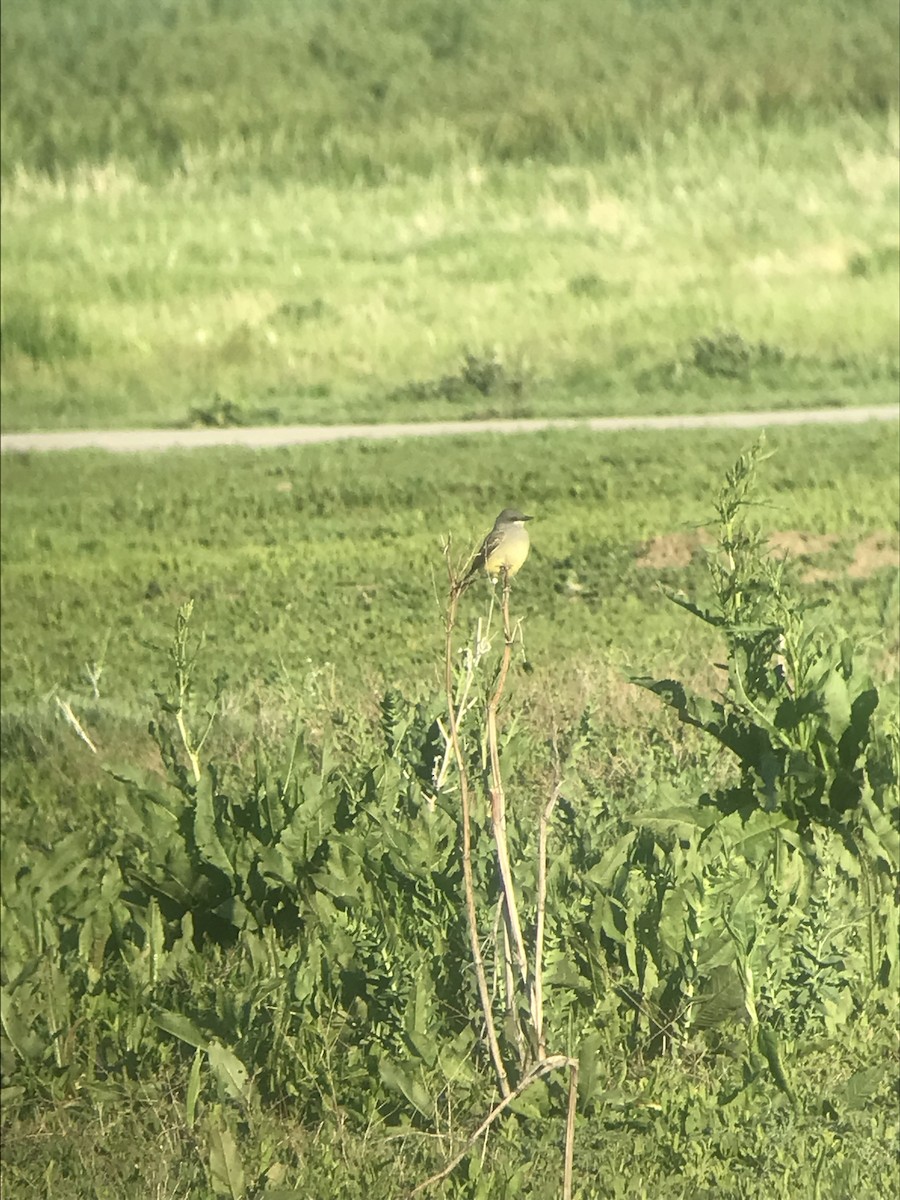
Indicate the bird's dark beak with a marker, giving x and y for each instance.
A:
(528, 518)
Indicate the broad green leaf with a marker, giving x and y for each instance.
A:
(859, 1089)
(612, 859)
(603, 920)
(670, 933)
(533, 1102)
(837, 1009)
(589, 1065)
(59, 869)
(836, 698)
(769, 1045)
(193, 1090)
(235, 912)
(228, 1070)
(226, 1171)
(406, 1081)
(424, 1045)
(750, 831)
(560, 973)
(747, 741)
(205, 827)
(335, 885)
(883, 843)
(419, 1020)
(688, 605)
(275, 864)
(457, 1068)
(27, 1043)
(721, 998)
(684, 819)
(155, 941)
(180, 1027)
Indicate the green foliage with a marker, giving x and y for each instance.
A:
(315, 563)
(484, 375)
(752, 876)
(360, 90)
(546, 290)
(332, 896)
(881, 260)
(42, 336)
(244, 947)
(726, 354)
(797, 715)
(268, 935)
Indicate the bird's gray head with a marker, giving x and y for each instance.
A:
(511, 515)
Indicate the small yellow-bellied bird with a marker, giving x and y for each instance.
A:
(504, 550)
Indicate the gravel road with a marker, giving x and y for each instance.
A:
(136, 440)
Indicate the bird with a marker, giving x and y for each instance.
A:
(504, 550)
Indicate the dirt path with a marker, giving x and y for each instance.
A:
(131, 440)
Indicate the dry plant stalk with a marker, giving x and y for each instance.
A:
(498, 799)
(537, 989)
(465, 803)
(73, 722)
(515, 957)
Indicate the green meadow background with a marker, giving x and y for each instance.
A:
(233, 213)
(223, 213)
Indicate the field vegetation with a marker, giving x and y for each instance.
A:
(225, 213)
(310, 873)
(261, 968)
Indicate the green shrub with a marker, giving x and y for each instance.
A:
(759, 868)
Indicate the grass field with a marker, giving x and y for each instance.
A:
(317, 576)
(362, 90)
(275, 860)
(734, 268)
(712, 223)
(325, 554)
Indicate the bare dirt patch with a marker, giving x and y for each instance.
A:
(800, 544)
(671, 550)
(877, 552)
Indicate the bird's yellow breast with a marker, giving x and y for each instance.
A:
(510, 554)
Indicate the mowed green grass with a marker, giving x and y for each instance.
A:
(741, 267)
(324, 563)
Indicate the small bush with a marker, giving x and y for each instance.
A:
(727, 355)
(483, 374)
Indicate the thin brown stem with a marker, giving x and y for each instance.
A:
(468, 880)
(498, 798)
(537, 985)
(512, 1010)
(569, 1158)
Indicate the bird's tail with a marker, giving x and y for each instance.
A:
(475, 566)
